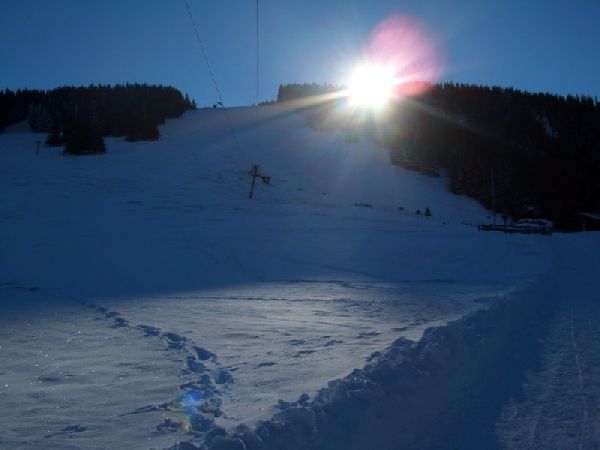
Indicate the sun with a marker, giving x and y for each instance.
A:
(370, 86)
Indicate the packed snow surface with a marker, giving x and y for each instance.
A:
(142, 291)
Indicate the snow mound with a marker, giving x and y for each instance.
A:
(399, 398)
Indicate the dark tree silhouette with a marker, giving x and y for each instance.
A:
(80, 117)
(538, 153)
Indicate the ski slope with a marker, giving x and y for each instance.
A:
(146, 300)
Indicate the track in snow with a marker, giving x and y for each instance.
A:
(561, 407)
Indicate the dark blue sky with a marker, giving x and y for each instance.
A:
(539, 45)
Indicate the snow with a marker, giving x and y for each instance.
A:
(520, 374)
(559, 408)
(145, 300)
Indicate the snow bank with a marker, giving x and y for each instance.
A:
(399, 399)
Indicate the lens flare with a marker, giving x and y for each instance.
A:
(401, 59)
(370, 85)
(186, 410)
(191, 402)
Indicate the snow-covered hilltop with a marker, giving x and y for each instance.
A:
(145, 300)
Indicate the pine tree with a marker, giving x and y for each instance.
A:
(80, 136)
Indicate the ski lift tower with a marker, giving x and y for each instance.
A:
(254, 173)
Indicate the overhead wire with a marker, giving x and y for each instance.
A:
(214, 79)
(257, 53)
(256, 114)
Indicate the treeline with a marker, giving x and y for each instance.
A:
(294, 91)
(79, 117)
(317, 100)
(524, 154)
(14, 105)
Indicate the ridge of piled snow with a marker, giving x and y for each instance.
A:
(519, 374)
(398, 400)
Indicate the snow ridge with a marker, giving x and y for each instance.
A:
(412, 395)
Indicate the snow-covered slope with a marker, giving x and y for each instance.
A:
(144, 297)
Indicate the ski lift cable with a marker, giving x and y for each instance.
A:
(256, 114)
(257, 53)
(214, 79)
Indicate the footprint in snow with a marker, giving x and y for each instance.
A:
(194, 365)
(266, 364)
(367, 334)
(67, 430)
(119, 322)
(149, 330)
(200, 396)
(174, 341)
(204, 354)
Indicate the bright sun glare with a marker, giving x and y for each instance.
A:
(370, 86)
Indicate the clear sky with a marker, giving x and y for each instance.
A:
(535, 45)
